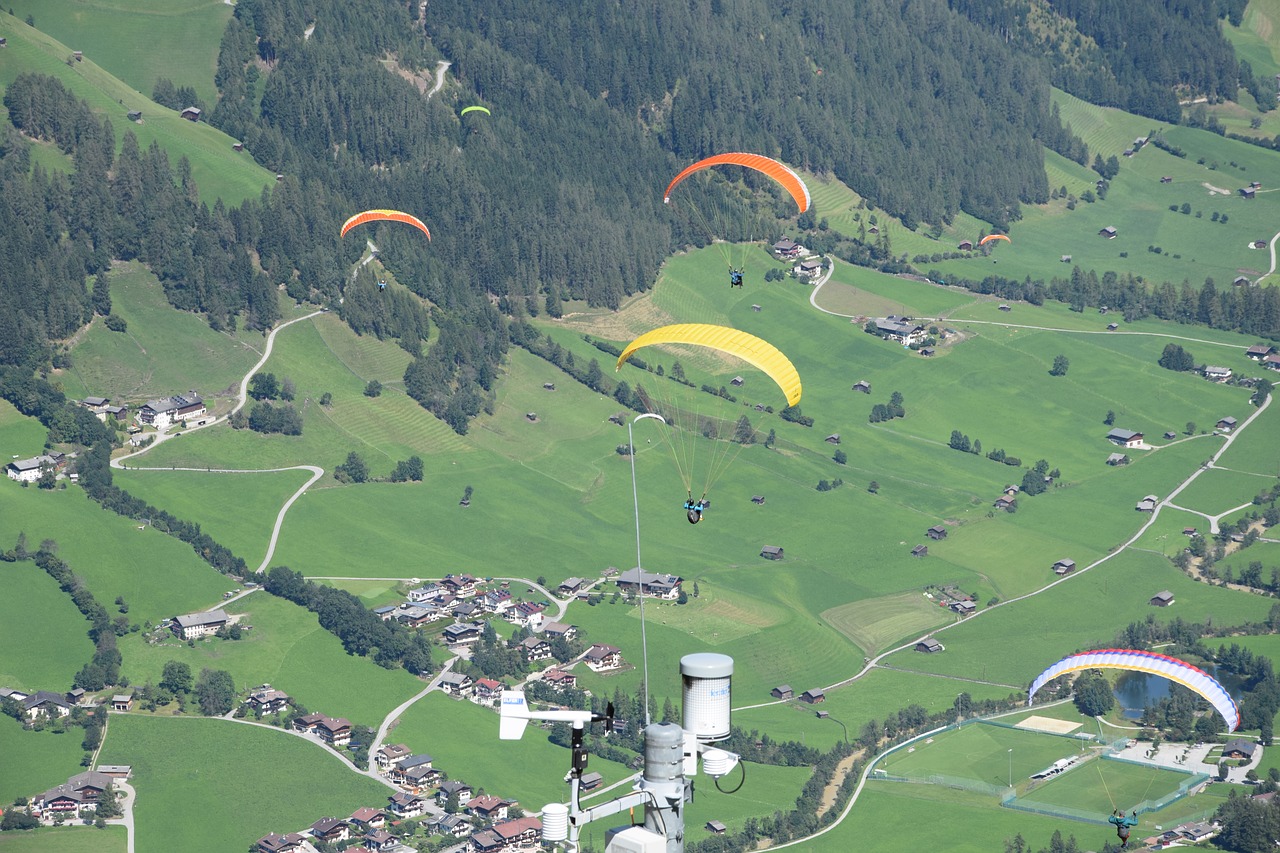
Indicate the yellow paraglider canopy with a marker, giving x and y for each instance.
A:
(756, 352)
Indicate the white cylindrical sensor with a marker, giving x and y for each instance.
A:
(555, 822)
(707, 678)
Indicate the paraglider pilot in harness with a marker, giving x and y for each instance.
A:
(1123, 825)
(694, 508)
(735, 277)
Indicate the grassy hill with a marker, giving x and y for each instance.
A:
(157, 38)
(219, 172)
(162, 351)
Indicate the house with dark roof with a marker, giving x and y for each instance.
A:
(937, 532)
(462, 633)
(902, 330)
(166, 411)
(1117, 459)
(772, 552)
(813, 696)
(862, 385)
(330, 829)
(389, 754)
(1125, 437)
(782, 691)
(334, 731)
(602, 656)
(785, 248)
(406, 804)
(1005, 503)
(1226, 424)
(1147, 504)
(560, 678)
(381, 840)
(1239, 748)
(456, 683)
(559, 630)
(758, 500)
(192, 626)
(275, 843)
(1064, 567)
(635, 581)
(929, 645)
(453, 786)
(1109, 232)
(535, 648)
(46, 703)
(267, 700)
(1259, 351)
(1161, 599)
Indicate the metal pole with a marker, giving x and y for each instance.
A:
(1010, 767)
(664, 781)
(635, 498)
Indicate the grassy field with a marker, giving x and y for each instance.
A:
(875, 623)
(35, 761)
(157, 38)
(239, 513)
(287, 649)
(1217, 491)
(247, 776)
(47, 652)
(66, 839)
(219, 172)
(157, 575)
(162, 352)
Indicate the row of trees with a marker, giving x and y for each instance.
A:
(388, 644)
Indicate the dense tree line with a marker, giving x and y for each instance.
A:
(389, 644)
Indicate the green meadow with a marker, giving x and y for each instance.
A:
(36, 761)
(156, 38)
(157, 575)
(51, 647)
(1216, 491)
(288, 649)
(991, 755)
(219, 172)
(251, 781)
(66, 839)
(238, 514)
(162, 351)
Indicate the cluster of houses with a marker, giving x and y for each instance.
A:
(461, 597)
(330, 730)
(101, 406)
(487, 821)
(31, 470)
(812, 696)
(1265, 354)
(45, 704)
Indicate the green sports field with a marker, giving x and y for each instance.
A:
(991, 755)
(1101, 786)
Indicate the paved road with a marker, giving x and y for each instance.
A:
(441, 67)
(395, 715)
(127, 798)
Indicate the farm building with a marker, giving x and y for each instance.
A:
(1239, 748)
(771, 552)
(165, 411)
(964, 608)
(1216, 374)
(30, 470)
(920, 551)
(191, 113)
(936, 532)
(813, 696)
(717, 827)
(758, 500)
(1125, 437)
(1147, 504)
(1170, 434)
(782, 691)
(1226, 424)
(965, 245)
(736, 381)
(1117, 459)
(834, 438)
(135, 115)
(195, 625)
(1109, 232)
(1259, 351)
(929, 645)
(1005, 503)
(1161, 599)
(1247, 192)
(1241, 281)
(862, 385)
(1111, 327)
(648, 583)
(1064, 567)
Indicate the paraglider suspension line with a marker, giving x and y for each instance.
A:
(635, 500)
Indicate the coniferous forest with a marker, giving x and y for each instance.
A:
(925, 109)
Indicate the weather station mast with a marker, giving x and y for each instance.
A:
(671, 757)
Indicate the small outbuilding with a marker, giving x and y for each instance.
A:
(862, 385)
(548, 386)
(1064, 567)
(834, 438)
(1147, 504)
(716, 827)
(1227, 424)
(736, 381)
(771, 552)
(1117, 459)
(965, 245)
(135, 115)
(1162, 599)
(920, 551)
(937, 532)
(929, 645)
(1170, 435)
(191, 113)
(813, 696)
(1109, 232)
(758, 500)
(1111, 327)
(782, 691)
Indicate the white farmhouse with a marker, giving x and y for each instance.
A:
(166, 411)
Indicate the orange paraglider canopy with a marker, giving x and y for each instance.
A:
(384, 215)
(782, 174)
(987, 239)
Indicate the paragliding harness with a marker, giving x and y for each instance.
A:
(1123, 824)
(694, 508)
(382, 285)
(735, 277)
